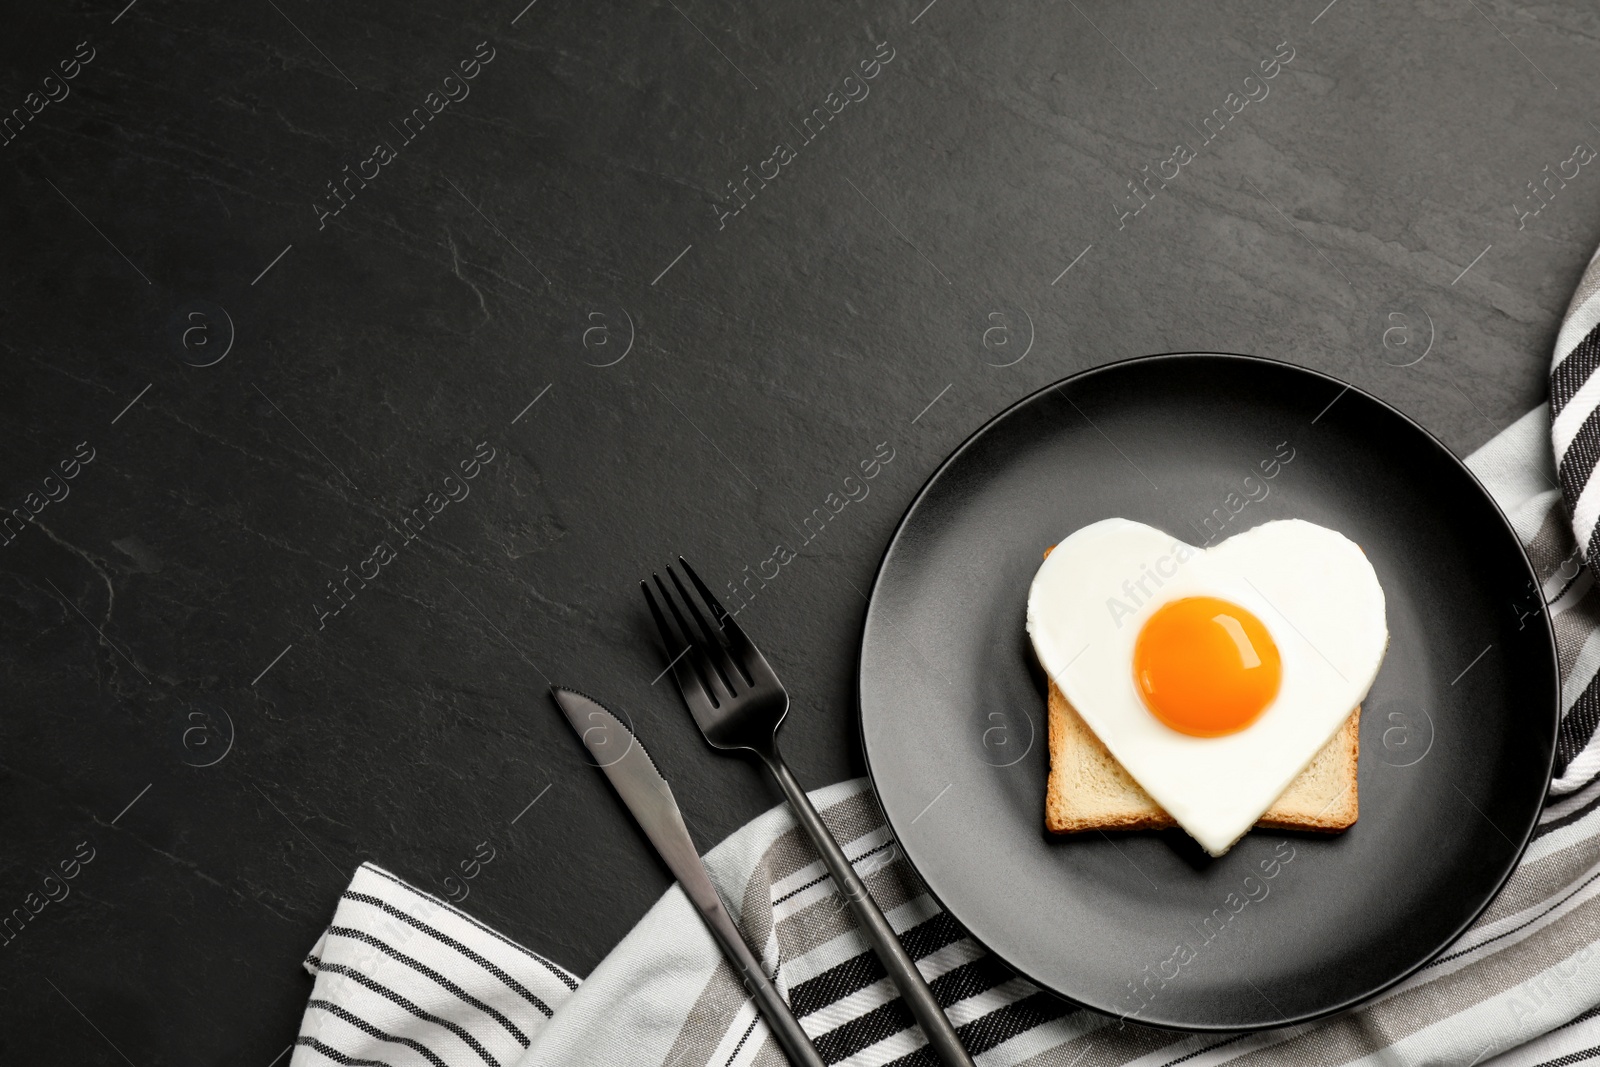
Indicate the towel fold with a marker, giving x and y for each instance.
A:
(403, 977)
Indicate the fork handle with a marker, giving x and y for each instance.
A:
(913, 987)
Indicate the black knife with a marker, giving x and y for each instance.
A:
(634, 776)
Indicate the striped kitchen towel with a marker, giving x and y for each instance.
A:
(1572, 514)
(403, 978)
(1575, 407)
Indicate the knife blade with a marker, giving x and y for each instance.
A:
(643, 788)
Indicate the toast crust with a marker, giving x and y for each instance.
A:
(1088, 789)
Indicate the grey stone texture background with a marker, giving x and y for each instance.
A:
(277, 340)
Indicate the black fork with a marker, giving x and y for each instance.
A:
(738, 703)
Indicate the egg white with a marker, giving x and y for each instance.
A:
(1311, 587)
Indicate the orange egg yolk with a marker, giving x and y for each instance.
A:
(1206, 667)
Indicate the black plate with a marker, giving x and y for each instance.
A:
(1453, 765)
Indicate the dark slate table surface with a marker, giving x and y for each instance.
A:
(276, 338)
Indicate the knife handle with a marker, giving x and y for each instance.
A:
(942, 1037)
(786, 1030)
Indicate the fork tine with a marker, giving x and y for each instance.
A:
(751, 662)
(711, 635)
(690, 684)
(683, 627)
(726, 664)
(693, 689)
(668, 638)
(718, 612)
(714, 683)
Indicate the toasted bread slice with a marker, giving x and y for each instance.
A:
(1088, 789)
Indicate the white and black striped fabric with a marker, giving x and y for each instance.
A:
(1516, 468)
(1575, 408)
(1575, 445)
(402, 977)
